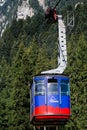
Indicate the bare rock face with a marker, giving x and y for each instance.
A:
(24, 10)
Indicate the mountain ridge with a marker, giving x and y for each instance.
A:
(10, 9)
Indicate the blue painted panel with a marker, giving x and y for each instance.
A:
(53, 100)
(51, 76)
(65, 102)
(39, 101)
(39, 78)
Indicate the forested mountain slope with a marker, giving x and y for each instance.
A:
(29, 47)
(20, 9)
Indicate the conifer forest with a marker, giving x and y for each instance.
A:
(28, 47)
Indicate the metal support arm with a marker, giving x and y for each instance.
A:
(62, 51)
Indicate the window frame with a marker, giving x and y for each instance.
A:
(39, 86)
(67, 93)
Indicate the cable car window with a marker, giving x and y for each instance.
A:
(52, 86)
(65, 87)
(40, 87)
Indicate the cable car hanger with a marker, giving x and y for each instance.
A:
(62, 52)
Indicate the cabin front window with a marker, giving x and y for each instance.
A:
(52, 86)
(40, 87)
(65, 88)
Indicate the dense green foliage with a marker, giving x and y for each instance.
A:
(29, 47)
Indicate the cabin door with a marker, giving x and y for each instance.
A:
(53, 96)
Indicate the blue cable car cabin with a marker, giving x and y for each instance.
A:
(50, 100)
